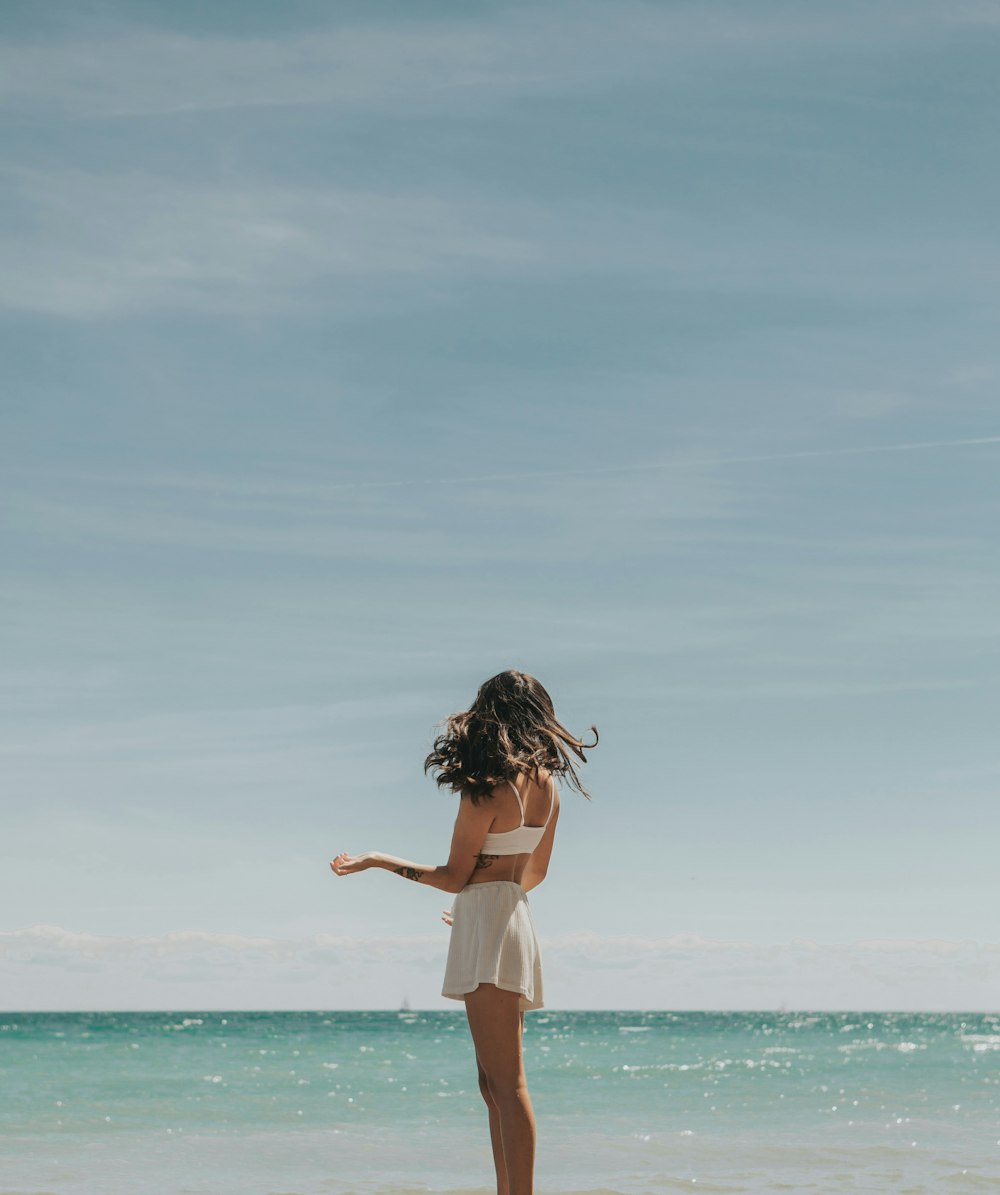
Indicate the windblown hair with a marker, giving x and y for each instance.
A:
(510, 728)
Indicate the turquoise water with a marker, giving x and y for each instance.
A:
(303, 1103)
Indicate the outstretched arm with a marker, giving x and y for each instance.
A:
(471, 827)
(435, 876)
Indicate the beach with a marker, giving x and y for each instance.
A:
(386, 1103)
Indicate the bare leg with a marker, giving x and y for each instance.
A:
(496, 1023)
(495, 1139)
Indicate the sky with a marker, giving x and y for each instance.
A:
(353, 353)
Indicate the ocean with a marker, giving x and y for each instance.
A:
(386, 1103)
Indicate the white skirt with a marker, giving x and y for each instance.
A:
(493, 940)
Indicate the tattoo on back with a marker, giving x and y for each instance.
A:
(409, 873)
(485, 861)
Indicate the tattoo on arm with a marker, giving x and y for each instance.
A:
(485, 861)
(409, 873)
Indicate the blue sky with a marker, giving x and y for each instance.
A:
(356, 352)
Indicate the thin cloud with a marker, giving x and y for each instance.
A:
(217, 970)
(36, 942)
(42, 943)
(679, 463)
(417, 67)
(98, 245)
(683, 499)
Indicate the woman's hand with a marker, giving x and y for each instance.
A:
(447, 918)
(348, 865)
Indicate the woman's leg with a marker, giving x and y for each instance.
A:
(495, 1139)
(496, 1023)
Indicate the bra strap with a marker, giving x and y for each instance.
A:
(518, 795)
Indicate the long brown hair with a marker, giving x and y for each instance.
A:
(510, 728)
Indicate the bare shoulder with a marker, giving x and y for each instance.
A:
(476, 810)
(546, 780)
(542, 794)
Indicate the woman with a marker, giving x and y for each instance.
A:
(502, 756)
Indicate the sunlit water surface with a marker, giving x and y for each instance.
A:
(319, 1103)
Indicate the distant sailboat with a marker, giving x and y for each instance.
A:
(406, 1013)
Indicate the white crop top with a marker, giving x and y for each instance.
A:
(523, 839)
